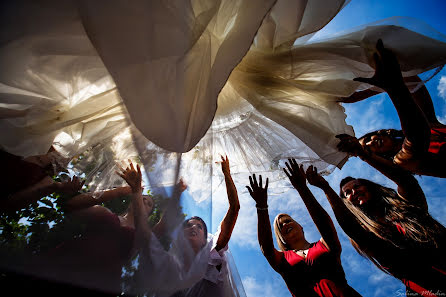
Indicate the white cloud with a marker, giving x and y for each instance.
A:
(254, 288)
(442, 93)
(442, 87)
(378, 277)
(442, 119)
(245, 230)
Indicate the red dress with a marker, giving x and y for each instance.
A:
(421, 270)
(319, 274)
(438, 140)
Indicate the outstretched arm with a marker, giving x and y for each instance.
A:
(43, 188)
(134, 178)
(86, 200)
(264, 233)
(228, 223)
(408, 186)
(388, 77)
(359, 96)
(320, 217)
(344, 216)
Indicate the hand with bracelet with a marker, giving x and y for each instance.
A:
(258, 193)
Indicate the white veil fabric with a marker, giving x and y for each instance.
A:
(188, 274)
(173, 84)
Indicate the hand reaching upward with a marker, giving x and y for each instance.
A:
(315, 178)
(225, 165)
(387, 69)
(295, 173)
(257, 192)
(132, 176)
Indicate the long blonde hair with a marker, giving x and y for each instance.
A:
(283, 246)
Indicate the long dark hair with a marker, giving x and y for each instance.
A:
(397, 136)
(201, 221)
(419, 228)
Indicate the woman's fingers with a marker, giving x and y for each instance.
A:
(294, 164)
(249, 190)
(289, 168)
(286, 172)
(256, 186)
(120, 169)
(301, 170)
(131, 165)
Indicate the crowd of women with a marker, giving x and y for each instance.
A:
(392, 228)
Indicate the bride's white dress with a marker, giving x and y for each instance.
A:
(68, 67)
(198, 77)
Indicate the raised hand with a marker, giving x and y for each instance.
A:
(225, 165)
(132, 176)
(295, 173)
(387, 69)
(258, 193)
(315, 178)
(181, 185)
(350, 145)
(71, 186)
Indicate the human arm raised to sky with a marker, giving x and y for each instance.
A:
(264, 234)
(408, 186)
(44, 187)
(228, 222)
(320, 217)
(133, 177)
(344, 216)
(86, 200)
(388, 77)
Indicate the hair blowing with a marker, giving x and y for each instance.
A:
(421, 230)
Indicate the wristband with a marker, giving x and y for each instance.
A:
(262, 208)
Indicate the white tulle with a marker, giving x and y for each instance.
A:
(185, 271)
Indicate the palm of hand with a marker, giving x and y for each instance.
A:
(315, 178)
(72, 186)
(259, 194)
(225, 165)
(131, 175)
(349, 144)
(132, 178)
(295, 173)
(387, 69)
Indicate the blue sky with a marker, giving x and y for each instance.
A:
(258, 278)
